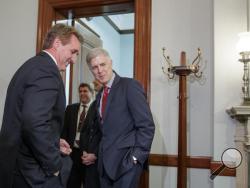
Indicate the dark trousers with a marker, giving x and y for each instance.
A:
(19, 181)
(52, 182)
(129, 180)
(32, 179)
(77, 170)
(91, 176)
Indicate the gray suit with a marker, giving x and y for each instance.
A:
(32, 122)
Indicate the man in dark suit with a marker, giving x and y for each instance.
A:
(31, 151)
(126, 124)
(89, 145)
(73, 123)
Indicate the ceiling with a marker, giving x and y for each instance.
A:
(123, 21)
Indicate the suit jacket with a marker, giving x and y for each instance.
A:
(89, 141)
(70, 123)
(127, 128)
(91, 133)
(32, 122)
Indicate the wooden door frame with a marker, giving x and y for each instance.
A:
(48, 10)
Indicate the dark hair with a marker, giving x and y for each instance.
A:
(63, 32)
(85, 85)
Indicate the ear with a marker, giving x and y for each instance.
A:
(57, 43)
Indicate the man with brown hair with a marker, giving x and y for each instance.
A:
(73, 122)
(32, 155)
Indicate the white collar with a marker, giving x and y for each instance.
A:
(51, 56)
(87, 105)
(110, 82)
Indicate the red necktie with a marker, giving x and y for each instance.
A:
(104, 99)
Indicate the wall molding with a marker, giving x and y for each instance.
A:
(201, 162)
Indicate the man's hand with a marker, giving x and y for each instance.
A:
(64, 147)
(88, 158)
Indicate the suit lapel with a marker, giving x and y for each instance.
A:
(97, 105)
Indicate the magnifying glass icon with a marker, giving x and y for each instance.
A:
(231, 158)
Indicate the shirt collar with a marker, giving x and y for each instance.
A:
(87, 105)
(50, 56)
(110, 82)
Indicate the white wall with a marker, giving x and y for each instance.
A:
(182, 26)
(213, 26)
(229, 20)
(18, 39)
(127, 55)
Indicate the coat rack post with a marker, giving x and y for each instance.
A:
(182, 71)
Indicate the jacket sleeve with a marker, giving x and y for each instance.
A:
(90, 133)
(143, 120)
(65, 130)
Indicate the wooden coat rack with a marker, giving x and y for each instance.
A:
(183, 71)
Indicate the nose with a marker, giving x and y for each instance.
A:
(71, 61)
(74, 58)
(99, 69)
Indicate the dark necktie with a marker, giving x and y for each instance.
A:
(82, 117)
(104, 99)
